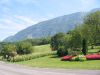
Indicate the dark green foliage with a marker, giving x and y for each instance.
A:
(8, 50)
(56, 41)
(75, 40)
(24, 48)
(40, 41)
(92, 21)
(84, 46)
(62, 51)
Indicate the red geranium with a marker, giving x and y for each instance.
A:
(93, 57)
(65, 58)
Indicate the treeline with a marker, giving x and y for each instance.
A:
(39, 41)
(77, 40)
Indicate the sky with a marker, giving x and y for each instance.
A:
(16, 15)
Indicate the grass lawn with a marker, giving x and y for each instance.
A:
(55, 62)
(50, 62)
(42, 49)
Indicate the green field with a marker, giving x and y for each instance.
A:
(54, 62)
(42, 49)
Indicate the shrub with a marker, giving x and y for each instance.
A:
(79, 58)
(93, 57)
(24, 48)
(62, 51)
(9, 50)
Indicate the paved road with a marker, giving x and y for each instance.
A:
(11, 69)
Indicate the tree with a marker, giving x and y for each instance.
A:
(55, 40)
(84, 46)
(92, 21)
(9, 50)
(24, 48)
(58, 43)
(76, 40)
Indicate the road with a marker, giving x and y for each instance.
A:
(12, 69)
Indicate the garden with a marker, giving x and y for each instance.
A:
(77, 49)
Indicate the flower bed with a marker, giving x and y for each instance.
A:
(81, 57)
(66, 58)
(93, 57)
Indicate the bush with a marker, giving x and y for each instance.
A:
(79, 58)
(9, 50)
(24, 48)
(62, 51)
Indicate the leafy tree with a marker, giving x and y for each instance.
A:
(62, 51)
(92, 21)
(76, 40)
(9, 50)
(56, 40)
(24, 48)
(58, 43)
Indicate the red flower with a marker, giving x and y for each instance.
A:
(65, 58)
(93, 57)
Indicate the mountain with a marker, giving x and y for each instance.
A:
(49, 27)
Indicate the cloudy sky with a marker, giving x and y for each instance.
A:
(16, 15)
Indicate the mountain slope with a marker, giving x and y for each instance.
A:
(49, 27)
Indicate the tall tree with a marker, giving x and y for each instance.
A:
(93, 26)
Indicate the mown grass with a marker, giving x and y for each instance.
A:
(52, 61)
(42, 49)
(95, 50)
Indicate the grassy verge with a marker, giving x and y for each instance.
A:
(54, 62)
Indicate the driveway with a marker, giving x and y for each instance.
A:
(12, 69)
